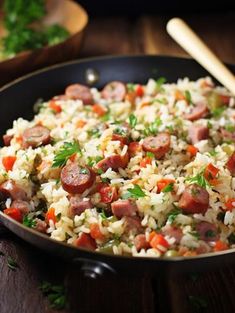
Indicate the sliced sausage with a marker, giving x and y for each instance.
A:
(85, 241)
(122, 208)
(114, 162)
(227, 135)
(198, 111)
(173, 232)
(23, 206)
(36, 136)
(140, 242)
(133, 224)
(198, 133)
(194, 199)
(159, 145)
(114, 91)
(79, 92)
(207, 231)
(40, 226)
(78, 205)
(75, 179)
(7, 139)
(203, 248)
(231, 164)
(9, 189)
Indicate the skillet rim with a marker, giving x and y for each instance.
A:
(98, 255)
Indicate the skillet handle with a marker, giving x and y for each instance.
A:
(93, 269)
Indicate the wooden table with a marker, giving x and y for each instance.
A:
(208, 292)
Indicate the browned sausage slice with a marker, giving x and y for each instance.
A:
(198, 111)
(114, 91)
(227, 135)
(9, 189)
(133, 224)
(79, 92)
(122, 208)
(36, 136)
(75, 179)
(194, 199)
(78, 205)
(198, 132)
(159, 145)
(115, 162)
(231, 164)
(140, 242)
(40, 226)
(85, 241)
(207, 231)
(22, 205)
(7, 139)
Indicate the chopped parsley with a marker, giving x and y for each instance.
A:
(132, 120)
(168, 188)
(130, 87)
(136, 192)
(94, 133)
(103, 215)
(93, 161)
(84, 171)
(217, 112)
(213, 152)
(100, 171)
(150, 154)
(65, 152)
(11, 263)
(230, 128)
(120, 131)
(188, 96)
(159, 82)
(152, 129)
(55, 294)
(198, 179)
(173, 214)
(28, 221)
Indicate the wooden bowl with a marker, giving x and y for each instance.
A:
(66, 13)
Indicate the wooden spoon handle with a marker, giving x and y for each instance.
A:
(190, 42)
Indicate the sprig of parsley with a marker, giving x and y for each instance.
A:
(198, 179)
(65, 152)
(55, 295)
(132, 120)
(136, 192)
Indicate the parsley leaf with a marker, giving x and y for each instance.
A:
(28, 221)
(150, 154)
(152, 129)
(132, 120)
(188, 96)
(135, 192)
(159, 82)
(11, 263)
(65, 152)
(198, 179)
(173, 214)
(130, 87)
(103, 215)
(55, 295)
(168, 188)
(217, 112)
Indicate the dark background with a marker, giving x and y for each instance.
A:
(135, 7)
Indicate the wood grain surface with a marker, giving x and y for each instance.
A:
(211, 292)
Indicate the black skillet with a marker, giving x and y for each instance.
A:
(17, 99)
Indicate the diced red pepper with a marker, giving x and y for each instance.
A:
(220, 246)
(192, 150)
(139, 91)
(14, 213)
(230, 204)
(50, 215)
(161, 184)
(54, 106)
(144, 162)
(8, 162)
(210, 172)
(98, 109)
(95, 232)
(225, 99)
(108, 194)
(86, 241)
(157, 241)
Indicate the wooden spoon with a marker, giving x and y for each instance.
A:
(190, 42)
